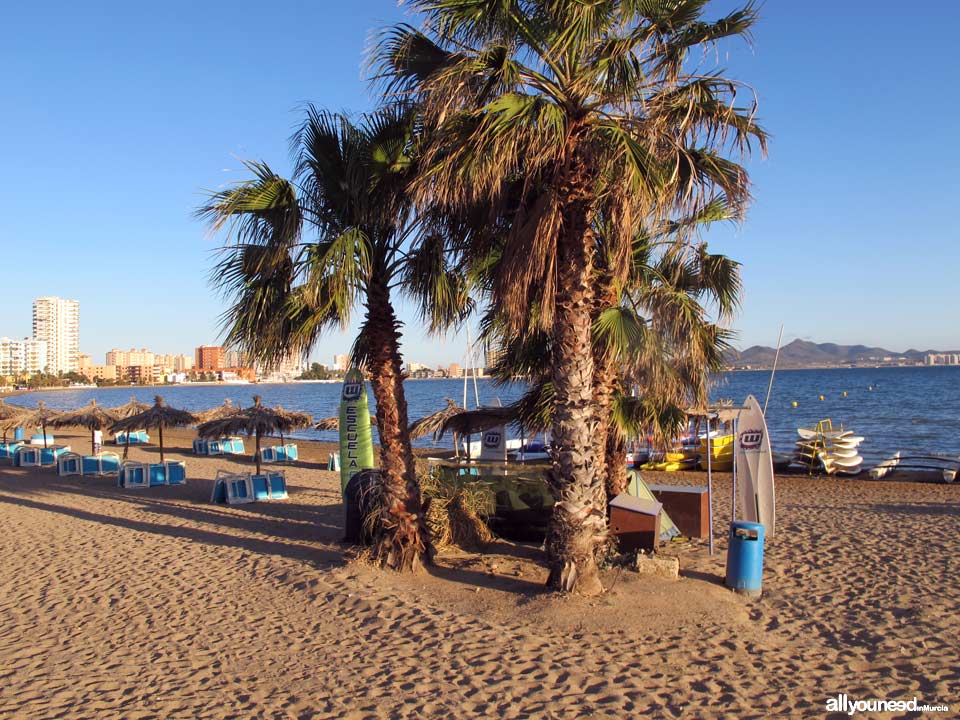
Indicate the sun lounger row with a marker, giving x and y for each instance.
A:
(242, 488)
(71, 463)
(221, 446)
(137, 437)
(8, 450)
(279, 453)
(32, 456)
(142, 475)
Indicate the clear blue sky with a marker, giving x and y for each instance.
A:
(116, 117)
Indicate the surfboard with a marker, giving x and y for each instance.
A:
(356, 442)
(755, 487)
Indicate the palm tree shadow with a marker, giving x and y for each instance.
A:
(311, 554)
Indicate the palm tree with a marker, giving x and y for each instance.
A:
(349, 188)
(658, 338)
(588, 103)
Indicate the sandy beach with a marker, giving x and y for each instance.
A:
(157, 604)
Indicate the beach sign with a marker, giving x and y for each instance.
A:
(356, 441)
(755, 467)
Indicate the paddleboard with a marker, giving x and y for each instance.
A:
(755, 467)
(356, 442)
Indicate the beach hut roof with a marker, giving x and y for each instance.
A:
(433, 423)
(158, 415)
(91, 417)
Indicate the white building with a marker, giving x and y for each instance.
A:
(57, 323)
(22, 356)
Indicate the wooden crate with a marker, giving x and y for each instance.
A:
(635, 522)
(688, 507)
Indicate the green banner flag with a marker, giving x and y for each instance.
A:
(356, 442)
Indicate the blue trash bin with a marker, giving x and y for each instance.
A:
(745, 558)
(18, 434)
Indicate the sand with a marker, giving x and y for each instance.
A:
(157, 604)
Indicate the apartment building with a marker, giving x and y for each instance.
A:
(57, 323)
(22, 356)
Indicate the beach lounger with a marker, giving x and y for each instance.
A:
(8, 450)
(69, 464)
(133, 475)
(232, 488)
(270, 486)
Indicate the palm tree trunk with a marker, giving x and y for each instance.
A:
(608, 440)
(405, 543)
(578, 526)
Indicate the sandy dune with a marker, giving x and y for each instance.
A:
(157, 604)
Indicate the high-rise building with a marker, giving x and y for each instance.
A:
(22, 356)
(209, 357)
(182, 363)
(341, 362)
(126, 358)
(57, 323)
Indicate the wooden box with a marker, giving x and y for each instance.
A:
(635, 522)
(688, 507)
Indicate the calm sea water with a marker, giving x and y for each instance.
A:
(915, 409)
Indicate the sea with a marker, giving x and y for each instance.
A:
(914, 409)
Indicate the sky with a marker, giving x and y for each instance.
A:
(117, 119)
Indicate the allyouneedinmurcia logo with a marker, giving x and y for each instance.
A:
(845, 704)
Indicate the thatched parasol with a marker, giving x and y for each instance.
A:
(473, 421)
(10, 416)
(333, 423)
(469, 422)
(294, 419)
(92, 417)
(131, 408)
(126, 410)
(158, 416)
(433, 423)
(40, 416)
(219, 412)
(255, 421)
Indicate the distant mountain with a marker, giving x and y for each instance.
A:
(802, 353)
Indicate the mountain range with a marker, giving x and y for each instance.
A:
(803, 353)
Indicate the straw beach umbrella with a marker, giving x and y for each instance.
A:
(40, 416)
(469, 422)
(92, 417)
(158, 416)
(294, 419)
(10, 416)
(131, 408)
(219, 412)
(126, 410)
(333, 423)
(433, 423)
(255, 421)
